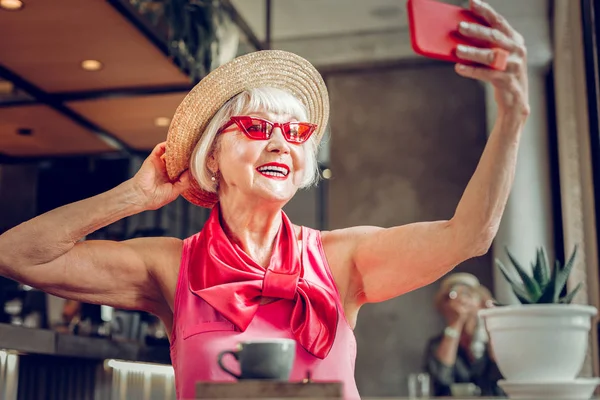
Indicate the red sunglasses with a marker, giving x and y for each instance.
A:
(261, 129)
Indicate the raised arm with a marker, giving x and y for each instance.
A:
(385, 263)
(46, 252)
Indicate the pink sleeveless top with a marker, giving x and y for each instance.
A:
(200, 332)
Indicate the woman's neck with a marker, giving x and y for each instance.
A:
(252, 228)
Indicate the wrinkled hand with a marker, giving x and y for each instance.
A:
(153, 184)
(511, 86)
(458, 310)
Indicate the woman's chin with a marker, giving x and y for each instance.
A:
(276, 195)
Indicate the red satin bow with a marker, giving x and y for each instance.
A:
(233, 283)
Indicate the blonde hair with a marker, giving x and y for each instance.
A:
(265, 99)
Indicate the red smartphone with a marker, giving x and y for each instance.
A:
(434, 31)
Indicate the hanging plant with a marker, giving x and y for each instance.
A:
(192, 38)
(191, 29)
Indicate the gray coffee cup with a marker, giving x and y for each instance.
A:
(262, 359)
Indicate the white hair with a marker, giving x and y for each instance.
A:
(267, 99)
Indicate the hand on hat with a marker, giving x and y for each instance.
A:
(511, 84)
(152, 182)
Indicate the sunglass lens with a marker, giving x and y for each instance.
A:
(299, 132)
(254, 128)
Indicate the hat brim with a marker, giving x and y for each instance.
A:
(266, 68)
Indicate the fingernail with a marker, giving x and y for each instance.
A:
(477, 2)
(461, 67)
(462, 48)
(464, 25)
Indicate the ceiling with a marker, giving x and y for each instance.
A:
(31, 130)
(50, 106)
(60, 34)
(67, 110)
(133, 118)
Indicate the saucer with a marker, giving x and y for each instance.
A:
(580, 388)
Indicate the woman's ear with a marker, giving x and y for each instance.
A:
(212, 163)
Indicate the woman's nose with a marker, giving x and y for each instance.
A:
(277, 142)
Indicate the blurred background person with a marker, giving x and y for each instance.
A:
(460, 359)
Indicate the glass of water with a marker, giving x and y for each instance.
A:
(419, 386)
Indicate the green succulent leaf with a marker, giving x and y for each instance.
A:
(521, 295)
(541, 271)
(517, 286)
(543, 285)
(560, 279)
(567, 299)
(506, 274)
(548, 295)
(532, 287)
(538, 275)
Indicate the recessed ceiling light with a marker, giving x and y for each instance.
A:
(6, 87)
(91, 65)
(24, 131)
(162, 121)
(11, 5)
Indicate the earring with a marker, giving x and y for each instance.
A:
(213, 178)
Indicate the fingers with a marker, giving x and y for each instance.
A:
(483, 74)
(488, 35)
(492, 17)
(497, 77)
(183, 182)
(494, 38)
(159, 149)
(508, 48)
(495, 58)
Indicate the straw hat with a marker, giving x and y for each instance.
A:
(458, 278)
(273, 68)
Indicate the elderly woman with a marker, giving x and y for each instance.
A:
(461, 354)
(242, 143)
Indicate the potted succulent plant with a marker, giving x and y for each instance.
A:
(545, 338)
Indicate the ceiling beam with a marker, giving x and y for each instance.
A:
(121, 92)
(8, 159)
(50, 101)
(16, 103)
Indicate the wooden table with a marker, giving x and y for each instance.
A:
(256, 389)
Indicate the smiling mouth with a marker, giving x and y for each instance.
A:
(273, 171)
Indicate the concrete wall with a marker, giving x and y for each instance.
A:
(404, 144)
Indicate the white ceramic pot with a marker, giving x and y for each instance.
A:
(541, 342)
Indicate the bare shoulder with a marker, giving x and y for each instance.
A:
(162, 256)
(339, 246)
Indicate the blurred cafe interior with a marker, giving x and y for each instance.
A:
(88, 88)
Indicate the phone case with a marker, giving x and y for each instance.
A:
(434, 31)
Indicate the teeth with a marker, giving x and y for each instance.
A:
(272, 173)
(273, 170)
